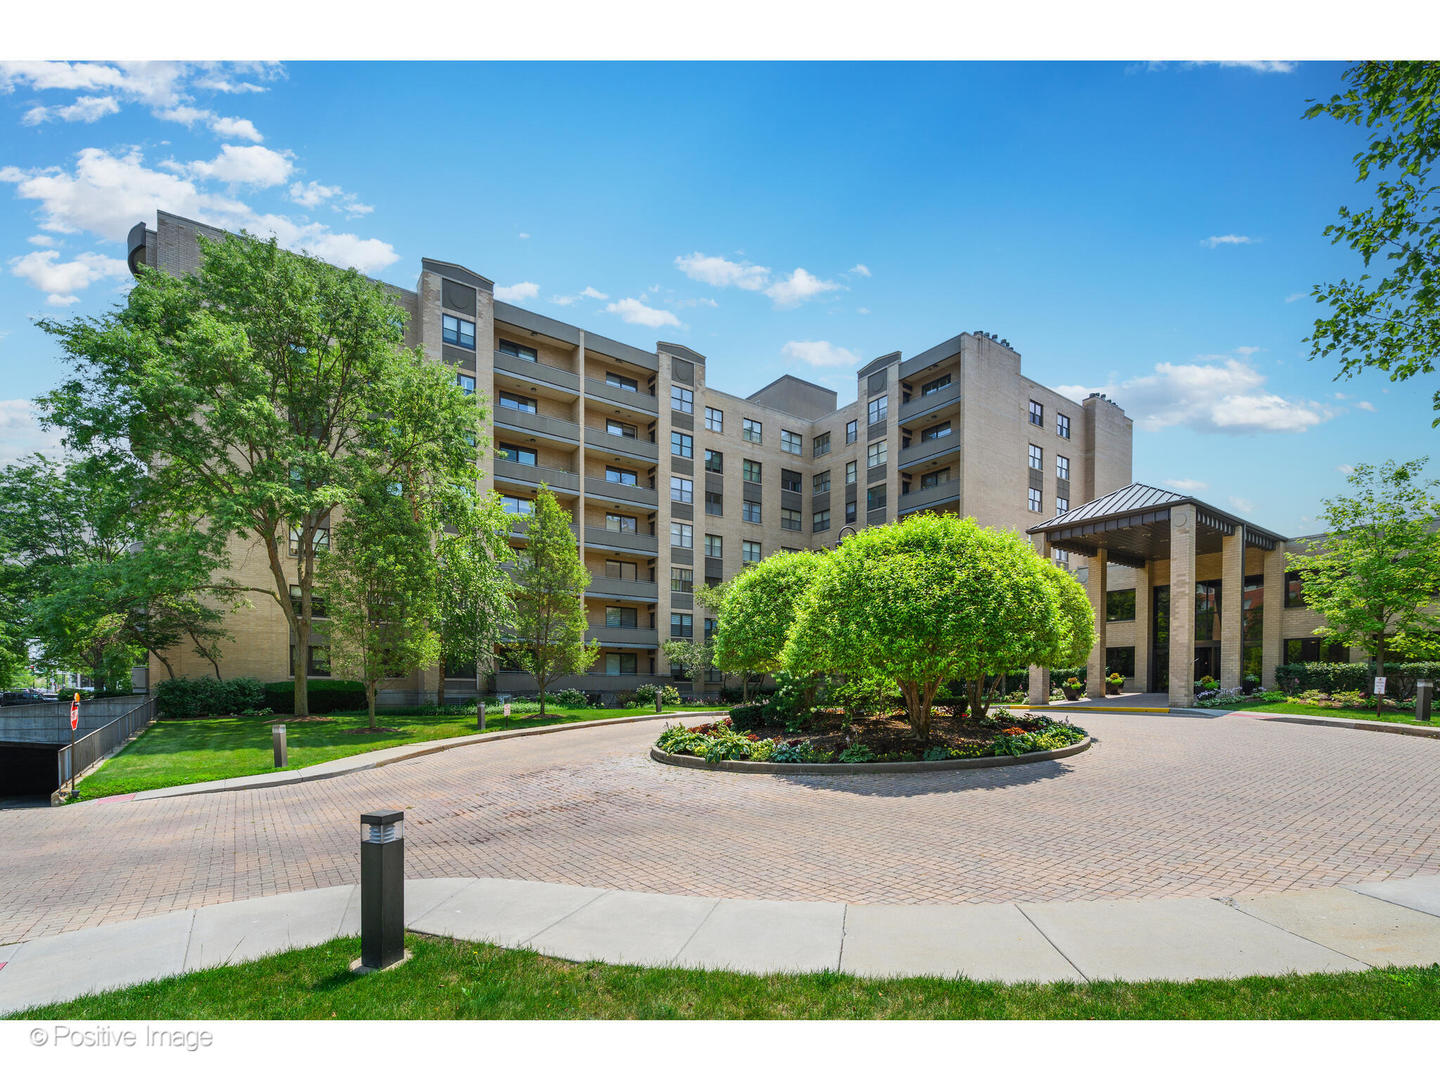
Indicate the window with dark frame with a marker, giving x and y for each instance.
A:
(682, 399)
(457, 331)
(1037, 414)
(520, 352)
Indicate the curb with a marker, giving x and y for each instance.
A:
(785, 768)
(1356, 725)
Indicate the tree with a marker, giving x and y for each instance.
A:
(264, 393)
(1377, 571)
(696, 657)
(933, 598)
(550, 583)
(1391, 322)
(473, 589)
(379, 582)
(758, 610)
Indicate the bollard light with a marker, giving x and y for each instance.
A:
(658, 697)
(480, 717)
(1424, 695)
(382, 889)
(282, 751)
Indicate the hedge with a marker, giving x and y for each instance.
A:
(1319, 675)
(326, 695)
(208, 696)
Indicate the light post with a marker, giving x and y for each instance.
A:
(658, 697)
(480, 717)
(282, 749)
(1424, 694)
(382, 890)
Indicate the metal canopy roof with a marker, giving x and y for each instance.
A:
(1133, 525)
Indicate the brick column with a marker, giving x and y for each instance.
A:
(1232, 591)
(1182, 606)
(1095, 590)
(1039, 685)
(1271, 618)
(1143, 618)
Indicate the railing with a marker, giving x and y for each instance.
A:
(930, 448)
(917, 496)
(621, 444)
(74, 759)
(535, 371)
(555, 479)
(536, 422)
(626, 541)
(631, 399)
(626, 493)
(929, 403)
(622, 588)
(623, 635)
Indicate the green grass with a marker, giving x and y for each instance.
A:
(458, 980)
(216, 748)
(1300, 708)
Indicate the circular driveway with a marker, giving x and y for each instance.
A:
(1160, 806)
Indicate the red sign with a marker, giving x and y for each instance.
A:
(75, 713)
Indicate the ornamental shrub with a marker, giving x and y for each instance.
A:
(326, 695)
(645, 695)
(569, 698)
(208, 696)
(857, 754)
(745, 717)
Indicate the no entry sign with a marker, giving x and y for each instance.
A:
(75, 713)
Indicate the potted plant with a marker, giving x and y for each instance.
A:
(1114, 682)
(1072, 687)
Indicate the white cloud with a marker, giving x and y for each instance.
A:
(524, 236)
(1345, 470)
(58, 75)
(820, 354)
(1187, 485)
(1214, 394)
(800, 286)
(313, 194)
(525, 290)
(861, 269)
(227, 127)
(1267, 67)
(250, 166)
(85, 110)
(41, 240)
(235, 127)
(862, 311)
(593, 293)
(1295, 296)
(63, 280)
(633, 311)
(1213, 242)
(718, 271)
(1247, 350)
(1245, 506)
(21, 433)
(1367, 406)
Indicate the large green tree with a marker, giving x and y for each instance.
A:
(1376, 572)
(264, 392)
(474, 601)
(757, 612)
(550, 581)
(1388, 317)
(933, 598)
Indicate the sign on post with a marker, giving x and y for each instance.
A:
(1380, 684)
(507, 708)
(75, 713)
(1379, 694)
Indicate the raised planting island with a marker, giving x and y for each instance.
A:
(756, 738)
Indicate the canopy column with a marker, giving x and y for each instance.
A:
(1095, 589)
(1232, 592)
(1182, 606)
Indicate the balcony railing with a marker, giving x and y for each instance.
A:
(622, 588)
(535, 422)
(621, 444)
(923, 406)
(631, 493)
(933, 448)
(534, 371)
(642, 636)
(631, 399)
(622, 541)
(556, 479)
(917, 497)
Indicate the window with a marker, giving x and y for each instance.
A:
(616, 475)
(1062, 425)
(934, 479)
(621, 617)
(682, 399)
(710, 625)
(749, 552)
(319, 660)
(317, 603)
(519, 454)
(682, 489)
(712, 582)
(1314, 649)
(879, 408)
(939, 431)
(714, 461)
(934, 386)
(851, 431)
(682, 445)
(682, 625)
(466, 382)
(457, 331)
(1037, 414)
(790, 520)
(750, 511)
(875, 454)
(1035, 500)
(790, 481)
(682, 579)
(1037, 457)
(513, 504)
(714, 546)
(1062, 558)
(750, 471)
(1120, 605)
(714, 504)
(875, 498)
(820, 521)
(682, 534)
(714, 420)
(1294, 590)
(850, 512)
(524, 352)
(821, 483)
(622, 523)
(1062, 504)
(619, 427)
(620, 571)
(516, 402)
(751, 430)
(820, 445)
(322, 539)
(850, 471)
(1121, 661)
(791, 443)
(621, 382)
(1062, 467)
(620, 663)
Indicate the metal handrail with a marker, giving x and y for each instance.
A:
(74, 759)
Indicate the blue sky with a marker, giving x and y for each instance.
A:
(1149, 230)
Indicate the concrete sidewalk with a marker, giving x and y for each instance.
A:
(1320, 930)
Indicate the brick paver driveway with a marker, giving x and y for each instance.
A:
(1161, 806)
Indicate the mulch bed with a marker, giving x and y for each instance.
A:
(888, 733)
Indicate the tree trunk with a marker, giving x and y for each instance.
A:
(542, 686)
(440, 686)
(370, 701)
(975, 692)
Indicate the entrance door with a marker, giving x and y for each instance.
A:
(1207, 661)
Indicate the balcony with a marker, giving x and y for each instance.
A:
(918, 499)
(624, 636)
(919, 451)
(566, 431)
(535, 475)
(630, 399)
(621, 493)
(643, 449)
(924, 406)
(641, 543)
(520, 529)
(533, 371)
(611, 588)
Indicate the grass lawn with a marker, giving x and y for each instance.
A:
(217, 748)
(461, 980)
(1300, 708)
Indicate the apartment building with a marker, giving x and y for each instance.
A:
(673, 483)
